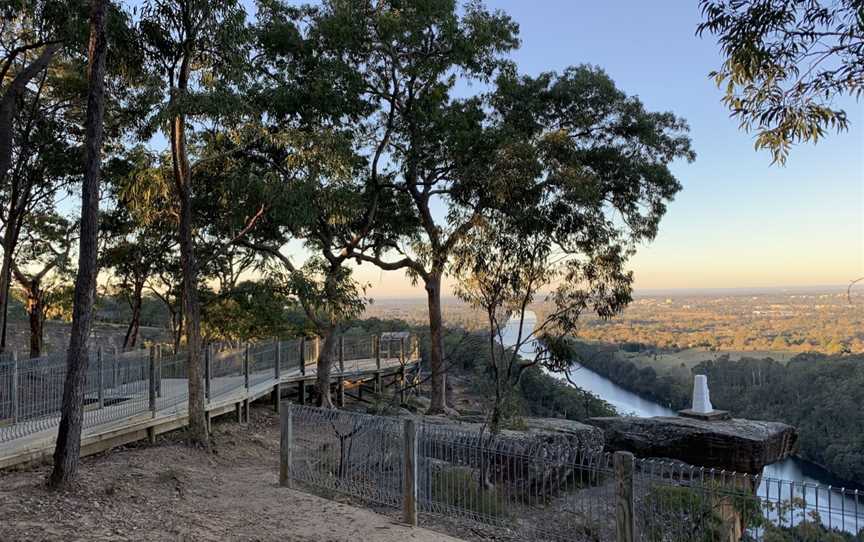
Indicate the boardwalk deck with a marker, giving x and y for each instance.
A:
(228, 394)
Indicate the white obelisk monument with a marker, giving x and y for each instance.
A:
(701, 397)
(702, 409)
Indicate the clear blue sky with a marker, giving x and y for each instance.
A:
(739, 222)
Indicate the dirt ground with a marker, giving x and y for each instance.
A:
(172, 493)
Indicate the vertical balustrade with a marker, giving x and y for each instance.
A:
(100, 378)
(340, 387)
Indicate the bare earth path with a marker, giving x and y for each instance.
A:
(169, 492)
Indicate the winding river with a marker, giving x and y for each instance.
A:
(803, 474)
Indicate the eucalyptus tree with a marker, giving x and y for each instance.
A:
(45, 247)
(32, 35)
(410, 57)
(295, 175)
(785, 65)
(40, 111)
(68, 447)
(133, 253)
(309, 193)
(584, 169)
(140, 239)
(197, 51)
(321, 214)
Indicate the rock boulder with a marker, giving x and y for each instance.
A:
(545, 454)
(734, 444)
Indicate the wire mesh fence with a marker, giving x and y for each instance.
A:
(121, 385)
(554, 489)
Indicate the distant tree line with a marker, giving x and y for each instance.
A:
(821, 395)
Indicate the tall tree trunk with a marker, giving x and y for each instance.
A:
(10, 241)
(436, 344)
(68, 449)
(325, 365)
(36, 314)
(183, 181)
(131, 337)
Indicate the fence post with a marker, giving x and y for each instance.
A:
(115, 360)
(246, 381)
(625, 524)
(14, 394)
(100, 379)
(158, 370)
(409, 476)
(340, 388)
(152, 379)
(277, 389)
(402, 370)
(208, 355)
(278, 361)
(286, 442)
(303, 356)
(376, 341)
(246, 367)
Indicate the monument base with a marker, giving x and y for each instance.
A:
(714, 415)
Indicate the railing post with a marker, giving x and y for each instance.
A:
(277, 367)
(100, 379)
(114, 366)
(208, 377)
(402, 370)
(340, 388)
(409, 476)
(158, 370)
(277, 389)
(625, 524)
(152, 379)
(286, 443)
(246, 367)
(246, 401)
(301, 386)
(376, 342)
(303, 356)
(14, 394)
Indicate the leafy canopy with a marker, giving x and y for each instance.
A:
(786, 63)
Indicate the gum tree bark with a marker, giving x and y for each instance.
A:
(136, 302)
(198, 435)
(436, 344)
(325, 365)
(68, 449)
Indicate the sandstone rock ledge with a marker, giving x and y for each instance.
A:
(735, 444)
(545, 454)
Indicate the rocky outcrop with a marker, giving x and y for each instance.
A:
(735, 444)
(544, 454)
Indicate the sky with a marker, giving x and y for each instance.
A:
(739, 221)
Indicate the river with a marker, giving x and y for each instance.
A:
(802, 473)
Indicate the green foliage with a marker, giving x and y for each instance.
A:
(692, 515)
(785, 65)
(820, 395)
(665, 389)
(569, 152)
(545, 396)
(252, 311)
(458, 487)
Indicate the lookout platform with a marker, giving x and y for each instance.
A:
(143, 407)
